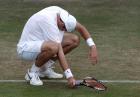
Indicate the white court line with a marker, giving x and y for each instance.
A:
(120, 81)
(64, 81)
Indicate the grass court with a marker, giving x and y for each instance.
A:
(115, 28)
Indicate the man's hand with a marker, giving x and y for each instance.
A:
(93, 55)
(71, 82)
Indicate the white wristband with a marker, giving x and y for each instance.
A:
(90, 42)
(68, 73)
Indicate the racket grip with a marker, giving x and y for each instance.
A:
(78, 82)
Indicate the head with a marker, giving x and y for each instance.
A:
(66, 22)
(60, 23)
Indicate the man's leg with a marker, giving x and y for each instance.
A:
(70, 41)
(48, 50)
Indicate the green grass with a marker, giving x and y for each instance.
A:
(115, 27)
(61, 90)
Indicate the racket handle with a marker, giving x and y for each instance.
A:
(78, 82)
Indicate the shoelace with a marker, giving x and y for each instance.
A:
(36, 75)
(51, 69)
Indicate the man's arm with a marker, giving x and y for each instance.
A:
(65, 67)
(82, 30)
(86, 35)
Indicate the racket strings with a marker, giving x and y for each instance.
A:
(93, 83)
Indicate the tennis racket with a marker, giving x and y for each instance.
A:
(92, 83)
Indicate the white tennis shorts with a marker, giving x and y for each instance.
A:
(29, 50)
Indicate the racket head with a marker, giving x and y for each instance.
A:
(94, 84)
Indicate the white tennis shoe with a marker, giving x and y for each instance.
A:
(49, 73)
(33, 78)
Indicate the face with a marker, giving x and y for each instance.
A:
(60, 23)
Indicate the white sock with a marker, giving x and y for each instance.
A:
(34, 68)
(47, 65)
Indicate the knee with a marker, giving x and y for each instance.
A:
(51, 47)
(75, 40)
(54, 48)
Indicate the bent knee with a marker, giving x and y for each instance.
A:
(75, 40)
(50, 46)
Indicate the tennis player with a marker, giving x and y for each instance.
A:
(46, 37)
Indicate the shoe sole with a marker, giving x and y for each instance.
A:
(54, 77)
(36, 84)
(44, 77)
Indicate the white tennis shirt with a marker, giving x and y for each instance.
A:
(42, 26)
